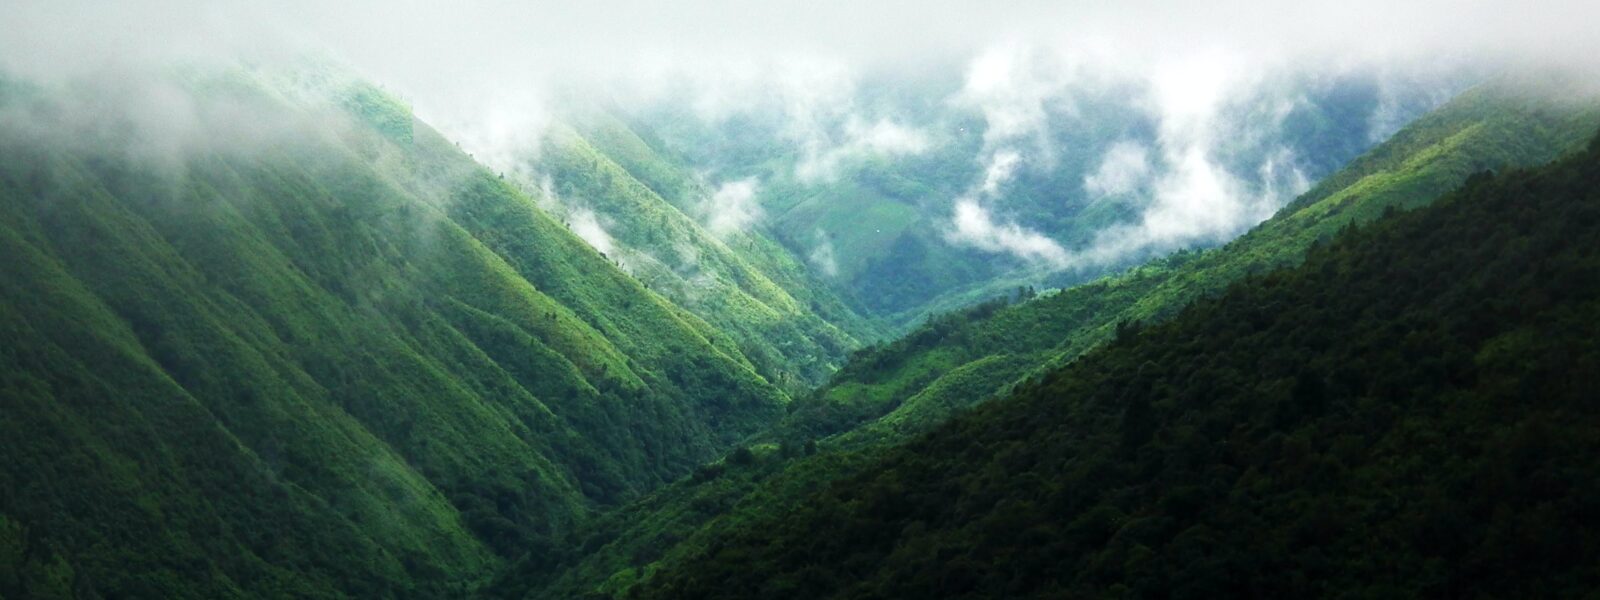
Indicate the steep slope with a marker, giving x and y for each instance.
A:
(871, 176)
(891, 392)
(302, 346)
(1409, 413)
(957, 360)
(792, 326)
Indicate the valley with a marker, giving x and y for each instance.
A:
(533, 303)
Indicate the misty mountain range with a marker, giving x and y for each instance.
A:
(514, 301)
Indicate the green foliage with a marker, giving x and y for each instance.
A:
(1492, 127)
(750, 289)
(323, 364)
(1408, 413)
(887, 218)
(385, 113)
(889, 392)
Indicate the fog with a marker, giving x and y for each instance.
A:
(487, 74)
(467, 58)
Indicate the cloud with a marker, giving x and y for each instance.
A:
(1209, 114)
(732, 208)
(1014, 86)
(974, 226)
(1193, 198)
(452, 54)
(1002, 165)
(488, 71)
(491, 74)
(587, 225)
(883, 138)
(1123, 170)
(822, 256)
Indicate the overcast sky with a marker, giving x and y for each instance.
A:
(432, 50)
(484, 71)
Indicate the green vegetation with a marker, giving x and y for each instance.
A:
(1408, 413)
(303, 346)
(1492, 127)
(891, 392)
(318, 354)
(887, 217)
(789, 324)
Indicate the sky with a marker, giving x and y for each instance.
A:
(443, 54)
(487, 71)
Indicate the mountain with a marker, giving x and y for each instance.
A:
(266, 334)
(896, 391)
(929, 193)
(645, 211)
(907, 385)
(1409, 413)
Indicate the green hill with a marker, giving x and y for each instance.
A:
(307, 348)
(912, 383)
(792, 326)
(875, 181)
(895, 391)
(1409, 413)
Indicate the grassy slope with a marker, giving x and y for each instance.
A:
(785, 322)
(344, 362)
(1407, 414)
(1486, 128)
(909, 386)
(634, 146)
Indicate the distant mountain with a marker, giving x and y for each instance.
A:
(910, 384)
(618, 192)
(1048, 171)
(1409, 413)
(268, 335)
(899, 390)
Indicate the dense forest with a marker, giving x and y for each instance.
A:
(545, 301)
(1409, 413)
(894, 391)
(343, 360)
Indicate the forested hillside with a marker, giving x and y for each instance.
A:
(645, 211)
(1409, 413)
(912, 383)
(875, 187)
(612, 300)
(306, 348)
(898, 390)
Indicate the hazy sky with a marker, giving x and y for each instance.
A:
(485, 71)
(435, 51)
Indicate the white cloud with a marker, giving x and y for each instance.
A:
(1002, 165)
(822, 255)
(974, 226)
(587, 225)
(1194, 198)
(485, 70)
(1013, 86)
(462, 59)
(883, 137)
(1122, 170)
(732, 208)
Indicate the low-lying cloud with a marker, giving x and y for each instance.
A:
(1123, 170)
(882, 138)
(732, 208)
(822, 256)
(492, 73)
(587, 225)
(974, 226)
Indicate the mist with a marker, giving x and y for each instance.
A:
(494, 75)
